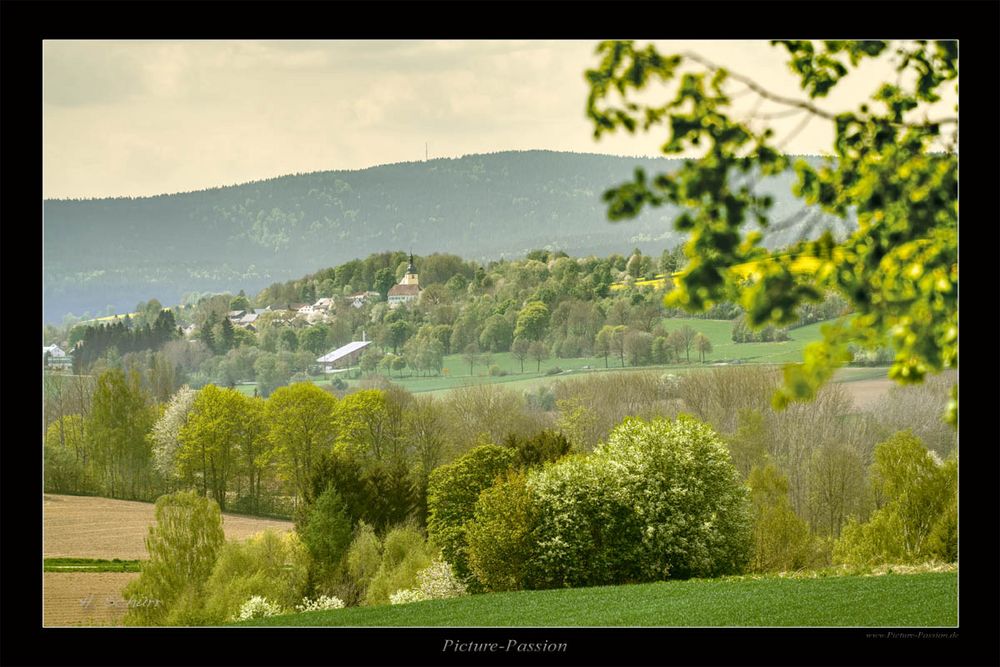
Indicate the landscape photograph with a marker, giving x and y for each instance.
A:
(534, 335)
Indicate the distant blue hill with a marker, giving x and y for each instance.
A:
(117, 252)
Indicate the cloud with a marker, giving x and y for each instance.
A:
(80, 74)
(213, 113)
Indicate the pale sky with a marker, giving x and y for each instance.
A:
(134, 118)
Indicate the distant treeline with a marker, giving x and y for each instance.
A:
(123, 338)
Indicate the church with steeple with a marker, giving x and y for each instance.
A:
(408, 289)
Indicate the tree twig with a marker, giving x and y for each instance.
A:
(789, 101)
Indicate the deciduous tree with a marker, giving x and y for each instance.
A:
(703, 345)
(183, 545)
(539, 352)
(121, 416)
(603, 343)
(781, 539)
(471, 354)
(532, 321)
(220, 426)
(519, 350)
(302, 425)
(916, 493)
(895, 167)
(166, 434)
(314, 339)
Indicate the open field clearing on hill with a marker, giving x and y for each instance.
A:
(456, 370)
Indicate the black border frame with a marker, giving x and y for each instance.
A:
(26, 24)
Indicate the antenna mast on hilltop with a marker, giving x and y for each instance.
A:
(425, 151)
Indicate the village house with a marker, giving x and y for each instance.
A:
(408, 289)
(53, 356)
(361, 298)
(247, 321)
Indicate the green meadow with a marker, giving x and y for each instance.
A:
(894, 600)
(89, 565)
(456, 370)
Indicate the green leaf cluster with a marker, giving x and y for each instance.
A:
(452, 493)
(892, 168)
(269, 564)
(183, 546)
(917, 517)
(659, 499)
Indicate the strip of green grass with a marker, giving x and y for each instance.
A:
(89, 565)
(892, 600)
(859, 373)
(456, 369)
(455, 372)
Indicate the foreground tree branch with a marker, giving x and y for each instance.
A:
(899, 270)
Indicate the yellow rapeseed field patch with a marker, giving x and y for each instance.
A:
(803, 265)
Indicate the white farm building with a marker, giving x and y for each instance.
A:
(343, 357)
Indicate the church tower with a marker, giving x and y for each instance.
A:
(408, 288)
(411, 274)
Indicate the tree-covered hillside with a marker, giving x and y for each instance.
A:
(116, 252)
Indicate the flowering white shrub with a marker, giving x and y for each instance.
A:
(435, 582)
(438, 581)
(257, 607)
(658, 499)
(589, 532)
(322, 603)
(679, 478)
(670, 385)
(406, 596)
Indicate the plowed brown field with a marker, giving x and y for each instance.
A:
(867, 392)
(89, 527)
(84, 598)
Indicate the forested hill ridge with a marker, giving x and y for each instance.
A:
(117, 252)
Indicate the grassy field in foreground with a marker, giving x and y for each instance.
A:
(892, 600)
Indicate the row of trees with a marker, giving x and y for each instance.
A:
(659, 499)
(530, 308)
(808, 486)
(641, 348)
(109, 436)
(121, 337)
(94, 447)
(617, 515)
(232, 445)
(744, 334)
